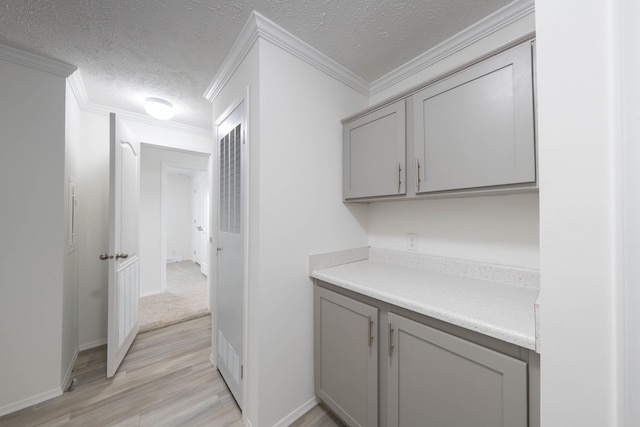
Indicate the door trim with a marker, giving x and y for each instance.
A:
(245, 224)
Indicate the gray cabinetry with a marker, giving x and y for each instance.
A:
(437, 379)
(374, 153)
(346, 365)
(476, 128)
(470, 132)
(415, 370)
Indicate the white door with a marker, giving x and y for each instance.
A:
(123, 257)
(230, 250)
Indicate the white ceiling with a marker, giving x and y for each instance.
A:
(127, 50)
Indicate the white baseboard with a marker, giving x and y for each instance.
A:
(30, 401)
(297, 413)
(174, 259)
(67, 376)
(92, 344)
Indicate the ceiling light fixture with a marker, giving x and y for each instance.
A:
(159, 108)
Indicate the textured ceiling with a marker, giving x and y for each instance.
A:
(127, 50)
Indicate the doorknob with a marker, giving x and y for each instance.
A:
(219, 249)
(105, 257)
(199, 228)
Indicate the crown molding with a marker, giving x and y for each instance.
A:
(496, 21)
(37, 62)
(78, 88)
(80, 92)
(240, 49)
(260, 27)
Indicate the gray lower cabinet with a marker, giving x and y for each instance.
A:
(476, 128)
(437, 379)
(346, 365)
(373, 153)
(416, 371)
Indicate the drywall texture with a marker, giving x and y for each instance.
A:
(130, 50)
(153, 160)
(480, 48)
(33, 234)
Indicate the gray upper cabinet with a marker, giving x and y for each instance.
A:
(346, 351)
(437, 379)
(476, 127)
(374, 153)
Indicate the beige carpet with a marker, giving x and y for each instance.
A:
(185, 298)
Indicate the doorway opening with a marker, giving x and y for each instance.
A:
(174, 203)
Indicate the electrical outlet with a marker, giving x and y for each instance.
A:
(412, 241)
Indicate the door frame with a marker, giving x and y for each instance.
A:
(245, 223)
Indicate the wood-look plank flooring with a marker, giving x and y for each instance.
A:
(166, 379)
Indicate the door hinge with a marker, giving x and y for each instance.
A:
(241, 371)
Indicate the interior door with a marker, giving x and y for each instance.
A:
(123, 257)
(230, 250)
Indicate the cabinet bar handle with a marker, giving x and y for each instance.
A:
(390, 339)
(370, 331)
(399, 177)
(417, 175)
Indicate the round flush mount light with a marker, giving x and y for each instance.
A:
(158, 108)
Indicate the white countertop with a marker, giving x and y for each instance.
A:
(496, 309)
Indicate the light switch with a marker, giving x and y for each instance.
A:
(412, 241)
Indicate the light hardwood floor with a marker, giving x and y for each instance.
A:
(166, 379)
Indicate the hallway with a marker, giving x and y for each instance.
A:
(185, 298)
(166, 379)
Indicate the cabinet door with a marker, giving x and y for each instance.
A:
(436, 379)
(373, 153)
(476, 128)
(346, 365)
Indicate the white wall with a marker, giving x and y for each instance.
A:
(301, 213)
(578, 104)
(295, 210)
(631, 156)
(498, 229)
(152, 261)
(93, 218)
(179, 216)
(32, 176)
(73, 142)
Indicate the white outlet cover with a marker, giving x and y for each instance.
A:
(412, 241)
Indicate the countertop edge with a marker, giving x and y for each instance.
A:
(489, 329)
